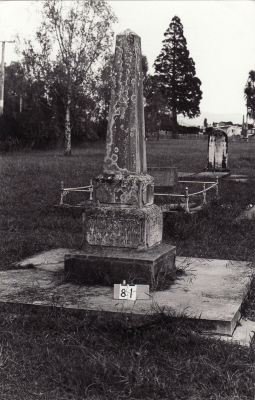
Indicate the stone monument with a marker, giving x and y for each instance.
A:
(217, 156)
(123, 226)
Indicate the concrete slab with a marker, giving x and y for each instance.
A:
(242, 335)
(247, 214)
(183, 175)
(210, 290)
(237, 178)
(213, 175)
(244, 180)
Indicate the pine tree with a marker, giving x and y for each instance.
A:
(176, 72)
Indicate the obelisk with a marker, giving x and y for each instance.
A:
(125, 141)
(123, 227)
(125, 192)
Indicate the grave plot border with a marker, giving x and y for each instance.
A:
(187, 207)
(166, 207)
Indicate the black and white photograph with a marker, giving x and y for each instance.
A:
(127, 199)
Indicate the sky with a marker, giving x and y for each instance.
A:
(220, 38)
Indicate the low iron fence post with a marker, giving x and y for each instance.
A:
(91, 191)
(187, 199)
(204, 194)
(62, 193)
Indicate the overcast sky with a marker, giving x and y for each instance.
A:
(220, 37)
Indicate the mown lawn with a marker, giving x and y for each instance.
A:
(56, 355)
(30, 187)
(191, 155)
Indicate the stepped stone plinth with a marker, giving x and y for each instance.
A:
(131, 190)
(137, 228)
(108, 265)
(123, 214)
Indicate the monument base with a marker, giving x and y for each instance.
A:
(107, 266)
(133, 189)
(122, 226)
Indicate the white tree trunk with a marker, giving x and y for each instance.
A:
(67, 151)
(20, 103)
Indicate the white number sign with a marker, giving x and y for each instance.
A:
(127, 292)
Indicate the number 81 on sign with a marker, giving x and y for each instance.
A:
(127, 292)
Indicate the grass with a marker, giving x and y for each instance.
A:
(213, 232)
(59, 356)
(55, 355)
(30, 186)
(191, 155)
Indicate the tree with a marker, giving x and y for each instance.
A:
(156, 117)
(145, 67)
(80, 34)
(205, 123)
(155, 112)
(249, 94)
(176, 72)
(15, 86)
(27, 107)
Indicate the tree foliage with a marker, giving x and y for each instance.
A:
(176, 73)
(72, 43)
(156, 113)
(249, 94)
(34, 113)
(27, 118)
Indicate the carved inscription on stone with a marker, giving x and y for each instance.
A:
(109, 232)
(154, 228)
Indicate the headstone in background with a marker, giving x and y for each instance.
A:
(217, 156)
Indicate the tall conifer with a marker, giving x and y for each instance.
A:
(176, 72)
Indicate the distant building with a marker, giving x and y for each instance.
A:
(222, 124)
(229, 129)
(251, 131)
(233, 130)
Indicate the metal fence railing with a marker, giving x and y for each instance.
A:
(187, 196)
(65, 191)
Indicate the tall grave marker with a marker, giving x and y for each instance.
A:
(123, 226)
(217, 153)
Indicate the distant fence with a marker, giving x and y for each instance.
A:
(184, 136)
(163, 136)
(195, 136)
